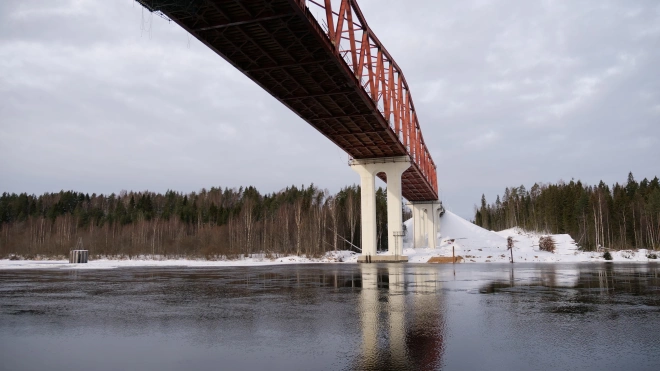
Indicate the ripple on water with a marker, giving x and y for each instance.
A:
(362, 317)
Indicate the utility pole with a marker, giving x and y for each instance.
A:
(509, 245)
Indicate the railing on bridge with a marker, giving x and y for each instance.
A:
(379, 75)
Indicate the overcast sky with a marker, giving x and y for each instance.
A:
(98, 96)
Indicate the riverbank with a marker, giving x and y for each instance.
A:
(159, 261)
(457, 236)
(347, 257)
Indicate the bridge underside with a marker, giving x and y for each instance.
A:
(280, 46)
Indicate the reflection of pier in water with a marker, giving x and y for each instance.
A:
(401, 315)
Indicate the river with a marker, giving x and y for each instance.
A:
(333, 317)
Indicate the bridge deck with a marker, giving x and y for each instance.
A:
(281, 47)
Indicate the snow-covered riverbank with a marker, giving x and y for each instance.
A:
(478, 245)
(148, 261)
(473, 243)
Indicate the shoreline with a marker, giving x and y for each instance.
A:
(6, 264)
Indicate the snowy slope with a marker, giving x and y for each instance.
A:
(476, 244)
(565, 245)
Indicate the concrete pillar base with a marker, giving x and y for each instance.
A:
(382, 259)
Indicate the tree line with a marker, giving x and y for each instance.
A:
(214, 224)
(623, 216)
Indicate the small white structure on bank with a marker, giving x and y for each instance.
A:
(78, 255)
(426, 214)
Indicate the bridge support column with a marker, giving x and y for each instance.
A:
(426, 222)
(419, 225)
(393, 167)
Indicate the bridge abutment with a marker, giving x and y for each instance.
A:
(393, 167)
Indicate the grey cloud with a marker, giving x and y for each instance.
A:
(101, 96)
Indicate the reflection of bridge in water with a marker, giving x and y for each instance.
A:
(401, 315)
(400, 308)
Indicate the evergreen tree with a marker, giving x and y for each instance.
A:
(623, 216)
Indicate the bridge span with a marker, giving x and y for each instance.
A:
(335, 74)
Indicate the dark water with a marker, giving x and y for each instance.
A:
(334, 317)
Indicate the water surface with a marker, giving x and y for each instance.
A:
(334, 317)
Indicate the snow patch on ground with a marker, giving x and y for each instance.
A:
(147, 261)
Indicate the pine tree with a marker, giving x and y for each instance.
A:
(624, 216)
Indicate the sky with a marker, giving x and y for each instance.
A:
(102, 96)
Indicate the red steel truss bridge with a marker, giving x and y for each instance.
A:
(333, 72)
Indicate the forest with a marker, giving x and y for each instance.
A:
(218, 223)
(624, 216)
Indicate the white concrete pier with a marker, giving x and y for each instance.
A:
(426, 222)
(393, 167)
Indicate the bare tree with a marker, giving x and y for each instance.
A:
(352, 211)
(298, 209)
(333, 205)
